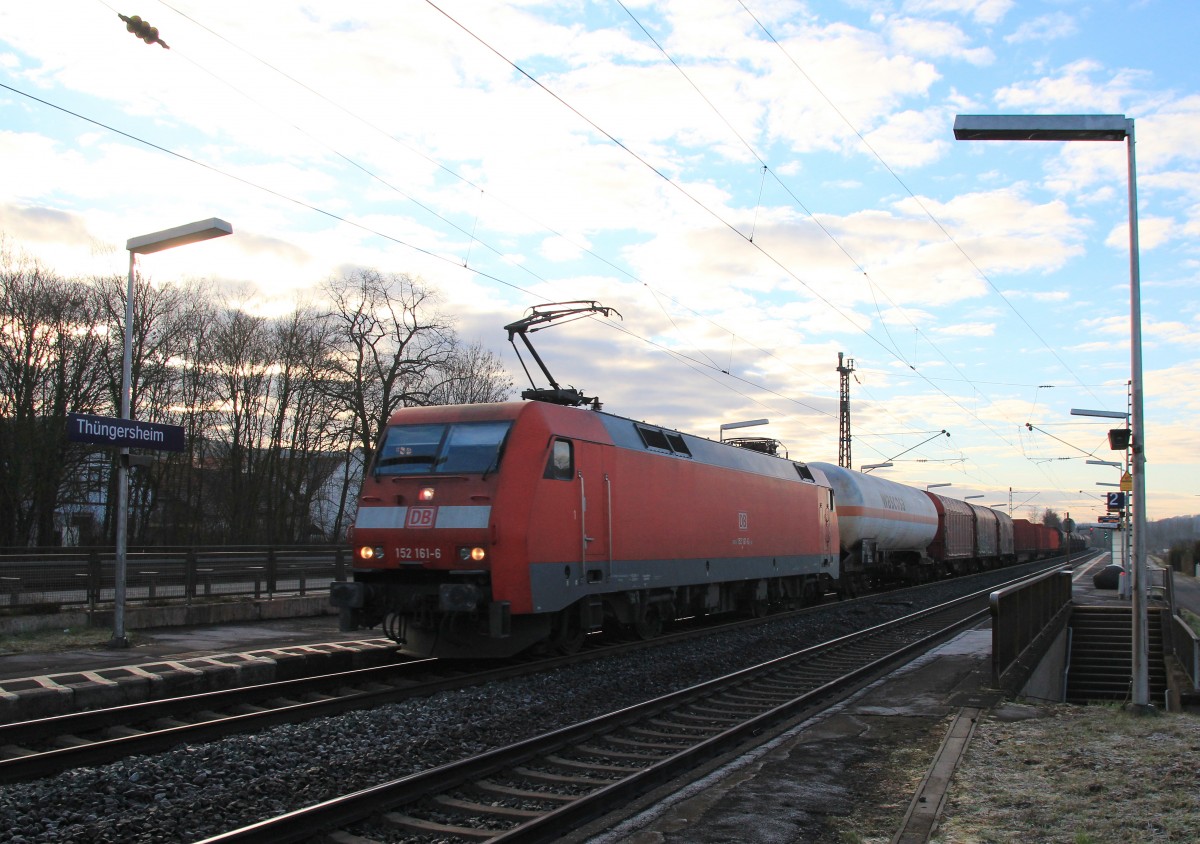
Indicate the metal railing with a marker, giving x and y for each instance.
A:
(1186, 646)
(1025, 618)
(1182, 639)
(50, 579)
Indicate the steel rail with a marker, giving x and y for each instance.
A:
(70, 728)
(153, 726)
(918, 632)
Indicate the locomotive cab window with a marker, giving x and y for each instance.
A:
(561, 465)
(461, 448)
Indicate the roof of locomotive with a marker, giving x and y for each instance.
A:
(624, 433)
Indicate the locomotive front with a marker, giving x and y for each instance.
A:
(423, 536)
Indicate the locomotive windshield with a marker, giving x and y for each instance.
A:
(462, 448)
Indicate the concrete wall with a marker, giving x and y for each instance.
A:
(1046, 681)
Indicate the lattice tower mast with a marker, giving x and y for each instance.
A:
(844, 368)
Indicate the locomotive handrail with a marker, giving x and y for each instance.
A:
(608, 512)
(583, 537)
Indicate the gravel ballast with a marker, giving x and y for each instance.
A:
(196, 791)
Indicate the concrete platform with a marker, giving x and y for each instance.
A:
(171, 661)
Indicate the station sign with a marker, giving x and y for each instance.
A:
(123, 433)
(1116, 501)
(1108, 519)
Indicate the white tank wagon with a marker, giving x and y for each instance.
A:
(884, 527)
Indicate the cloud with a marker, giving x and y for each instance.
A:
(415, 148)
(42, 225)
(967, 329)
(1152, 232)
(983, 11)
(272, 247)
(1073, 90)
(1154, 331)
(1044, 28)
(936, 39)
(1039, 295)
(910, 138)
(1004, 232)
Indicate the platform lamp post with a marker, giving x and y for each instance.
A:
(143, 245)
(1099, 127)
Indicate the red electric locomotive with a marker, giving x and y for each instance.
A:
(483, 530)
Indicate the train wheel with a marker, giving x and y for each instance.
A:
(812, 592)
(568, 631)
(649, 624)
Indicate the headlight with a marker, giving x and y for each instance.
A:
(474, 555)
(366, 552)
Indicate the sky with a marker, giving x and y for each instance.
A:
(755, 186)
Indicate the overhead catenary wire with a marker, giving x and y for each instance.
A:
(894, 350)
(425, 207)
(699, 203)
(514, 286)
(949, 237)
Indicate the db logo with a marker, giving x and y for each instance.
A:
(421, 517)
(743, 521)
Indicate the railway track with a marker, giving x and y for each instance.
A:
(39, 748)
(540, 789)
(42, 747)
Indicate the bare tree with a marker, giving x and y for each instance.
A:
(49, 345)
(388, 339)
(471, 374)
(166, 319)
(280, 415)
(187, 491)
(303, 432)
(241, 360)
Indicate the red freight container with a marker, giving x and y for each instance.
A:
(955, 537)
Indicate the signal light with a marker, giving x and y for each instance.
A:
(1118, 439)
(143, 30)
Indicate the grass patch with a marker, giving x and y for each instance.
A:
(64, 639)
(1079, 774)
